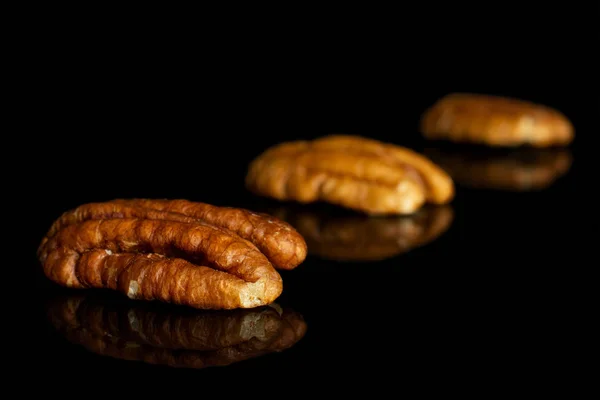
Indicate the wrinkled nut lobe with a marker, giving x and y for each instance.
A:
(495, 121)
(175, 251)
(350, 171)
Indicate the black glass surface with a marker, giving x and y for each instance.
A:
(470, 282)
(474, 291)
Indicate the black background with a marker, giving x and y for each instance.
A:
(145, 114)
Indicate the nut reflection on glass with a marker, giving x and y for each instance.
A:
(513, 170)
(351, 237)
(174, 336)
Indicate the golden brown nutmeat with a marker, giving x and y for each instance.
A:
(520, 170)
(362, 238)
(173, 336)
(147, 251)
(354, 172)
(495, 121)
(277, 240)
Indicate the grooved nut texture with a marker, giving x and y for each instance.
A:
(174, 251)
(354, 172)
(495, 121)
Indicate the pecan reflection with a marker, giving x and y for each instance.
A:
(523, 169)
(174, 336)
(355, 237)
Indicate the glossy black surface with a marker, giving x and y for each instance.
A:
(483, 287)
(482, 299)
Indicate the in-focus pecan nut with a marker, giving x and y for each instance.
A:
(175, 251)
(354, 237)
(354, 172)
(523, 169)
(173, 336)
(495, 121)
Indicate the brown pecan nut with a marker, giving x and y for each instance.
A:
(519, 170)
(175, 251)
(354, 172)
(361, 238)
(173, 336)
(495, 121)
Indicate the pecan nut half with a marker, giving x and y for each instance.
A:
(495, 121)
(175, 251)
(359, 238)
(354, 172)
(173, 336)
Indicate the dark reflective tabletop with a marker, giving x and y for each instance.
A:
(477, 290)
(462, 288)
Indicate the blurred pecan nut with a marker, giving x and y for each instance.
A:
(350, 171)
(495, 121)
(171, 251)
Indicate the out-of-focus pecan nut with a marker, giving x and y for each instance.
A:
(354, 172)
(173, 336)
(495, 121)
(174, 251)
(520, 170)
(362, 238)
